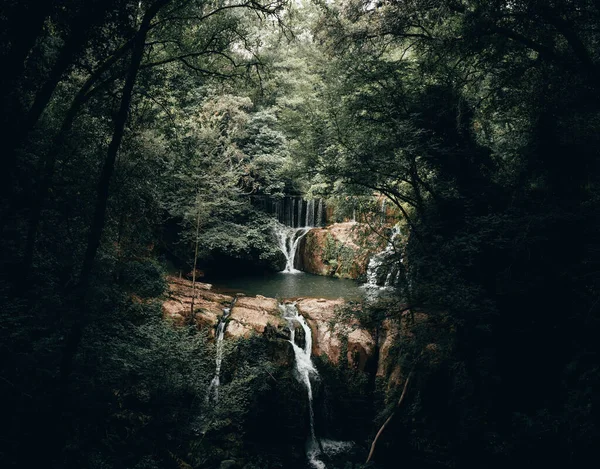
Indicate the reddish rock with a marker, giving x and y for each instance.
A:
(252, 315)
(261, 315)
(320, 315)
(392, 333)
(208, 305)
(340, 250)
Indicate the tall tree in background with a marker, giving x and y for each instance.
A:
(88, 107)
(464, 115)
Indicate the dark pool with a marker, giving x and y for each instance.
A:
(288, 285)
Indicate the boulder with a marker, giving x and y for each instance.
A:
(253, 314)
(339, 250)
(387, 337)
(393, 333)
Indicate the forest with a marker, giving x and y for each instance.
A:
(342, 234)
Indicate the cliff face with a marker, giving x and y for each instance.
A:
(261, 315)
(342, 341)
(339, 250)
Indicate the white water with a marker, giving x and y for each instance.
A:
(320, 213)
(304, 370)
(310, 213)
(213, 388)
(288, 239)
(299, 214)
(383, 260)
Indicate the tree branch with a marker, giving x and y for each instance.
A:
(389, 419)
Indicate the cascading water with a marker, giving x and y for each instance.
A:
(213, 388)
(289, 229)
(310, 213)
(292, 211)
(383, 269)
(320, 213)
(304, 370)
(288, 239)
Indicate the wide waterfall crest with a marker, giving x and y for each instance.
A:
(304, 370)
(292, 211)
(213, 388)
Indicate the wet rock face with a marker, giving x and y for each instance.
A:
(320, 315)
(339, 250)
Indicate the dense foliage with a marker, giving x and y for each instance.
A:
(136, 135)
(479, 120)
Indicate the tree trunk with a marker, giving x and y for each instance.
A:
(28, 25)
(74, 43)
(82, 96)
(97, 225)
(192, 315)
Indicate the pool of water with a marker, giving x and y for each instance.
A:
(288, 285)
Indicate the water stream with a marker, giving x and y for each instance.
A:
(304, 371)
(213, 388)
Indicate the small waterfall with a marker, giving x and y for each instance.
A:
(310, 213)
(293, 222)
(304, 370)
(320, 214)
(292, 211)
(288, 239)
(295, 217)
(213, 388)
(383, 211)
(299, 221)
(382, 270)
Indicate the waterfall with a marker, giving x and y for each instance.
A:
(304, 370)
(292, 211)
(383, 212)
(288, 239)
(310, 213)
(289, 229)
(289, 214)
(300, 203)
(213, 388)
(382, 270)
(320, 213)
